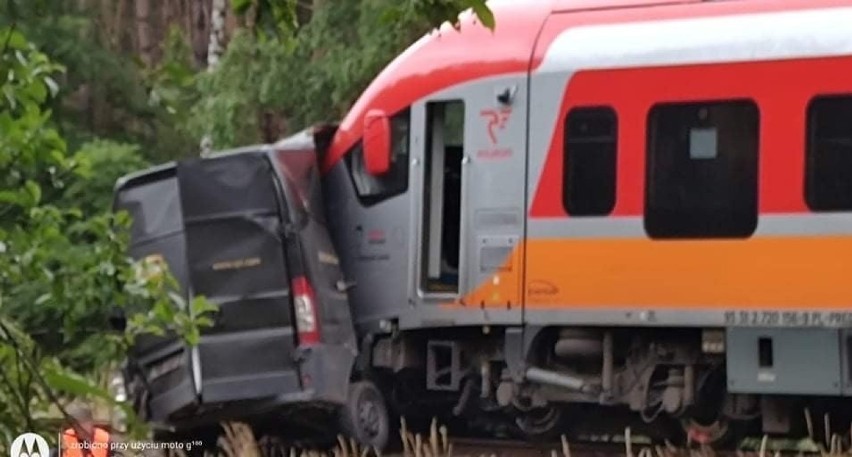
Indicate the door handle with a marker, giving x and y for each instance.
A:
(343, 286)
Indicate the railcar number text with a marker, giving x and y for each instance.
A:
(789, 318)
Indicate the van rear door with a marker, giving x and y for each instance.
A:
(232, 216)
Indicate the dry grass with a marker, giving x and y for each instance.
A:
(414, 445)
(829, 445)
(238, 440)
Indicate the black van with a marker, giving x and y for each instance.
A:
(246, 229)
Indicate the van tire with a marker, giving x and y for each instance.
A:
(139, 397)
(364, 417)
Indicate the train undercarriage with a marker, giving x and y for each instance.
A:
(541, 383)
(666, 384)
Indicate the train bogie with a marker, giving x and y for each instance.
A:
(676, 383)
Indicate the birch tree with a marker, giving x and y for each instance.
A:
(217, 33)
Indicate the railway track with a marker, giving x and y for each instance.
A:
(437, 442)
(475, 447)
(485, 447)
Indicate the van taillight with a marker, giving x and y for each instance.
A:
(305, 304)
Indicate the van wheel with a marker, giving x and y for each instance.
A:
(365, 416)
(139, 397)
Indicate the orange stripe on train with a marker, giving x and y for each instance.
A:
(766, 272)
(758, 273)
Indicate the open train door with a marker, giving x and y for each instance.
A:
(233, 217)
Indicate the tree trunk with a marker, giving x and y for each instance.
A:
(118, 24)
(199, 29)
(166, 12)
(273, 126)
(215, 49)
(231, 25)
(216, 46)
(304, 11)
(144, 39)
(165, 25)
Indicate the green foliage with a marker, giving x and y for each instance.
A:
(156, 308)
(23, 390)
(63, 265)
(285, 75)
(271, 17)
(304, 78)
(105, 93)
(279, 18)
(230, 109)
(340, 51)
(439, 11)
(99, 164)
(173, 88)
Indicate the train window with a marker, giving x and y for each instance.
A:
(373, 189)
(702, 170)
(828, 175)
(590, 145)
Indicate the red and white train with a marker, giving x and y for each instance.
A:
(637, 204)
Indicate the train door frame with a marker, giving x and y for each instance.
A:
(493, 202)
(432, 213)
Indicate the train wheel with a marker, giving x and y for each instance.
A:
(541, 423)
(365, 416)
(718, 417)
(715, 433)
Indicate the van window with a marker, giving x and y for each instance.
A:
(590, 161)
(701, 170)
(374, 189)
(828, 171)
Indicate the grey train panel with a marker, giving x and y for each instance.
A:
(437, 317)
(493, 190)
(633, 316)
(825, 224)
(369, 263)
(782, 361)
(846, 355)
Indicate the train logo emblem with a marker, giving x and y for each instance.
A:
(497, 119)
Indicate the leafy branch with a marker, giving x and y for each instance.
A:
(278, 18)
(63, 264)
